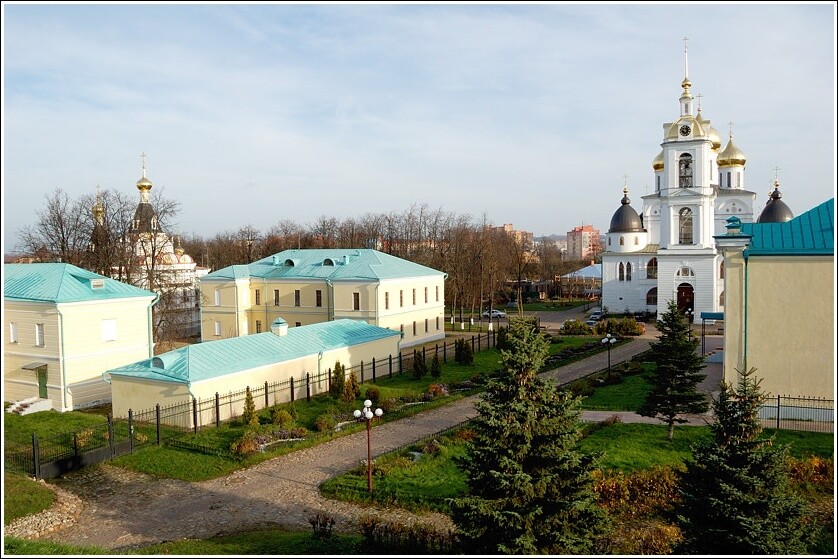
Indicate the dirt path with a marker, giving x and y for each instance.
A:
(121, 508)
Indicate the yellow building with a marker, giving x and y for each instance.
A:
(319, 285)
(779, 301)
(64, 328)
(213, 371)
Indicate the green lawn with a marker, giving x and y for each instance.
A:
(627, 395)
(23, 496)
(263, 542)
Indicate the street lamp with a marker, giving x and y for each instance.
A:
(608, 341)
(690, 324)
(368, 414)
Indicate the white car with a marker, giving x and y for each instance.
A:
(494, 314)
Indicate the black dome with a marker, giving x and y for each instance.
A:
(775, 211)
(625, 219)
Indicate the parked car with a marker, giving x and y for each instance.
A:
(495, 313)
(596, 315)
(591, 322)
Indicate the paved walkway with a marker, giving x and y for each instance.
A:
(125, 509)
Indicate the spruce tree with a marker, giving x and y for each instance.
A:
(677, 372)
(436, 366)
(249, 415)
(529, 487)
(338, 381)
(420, 368)
(735, 495)
(351, 388)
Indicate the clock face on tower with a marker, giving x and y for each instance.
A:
(685, 130)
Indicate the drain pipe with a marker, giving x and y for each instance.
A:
(64, 387)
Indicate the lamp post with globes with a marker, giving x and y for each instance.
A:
(608, 341)
(690, 323)
(368, 415)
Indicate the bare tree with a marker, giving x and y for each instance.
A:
(61, 232)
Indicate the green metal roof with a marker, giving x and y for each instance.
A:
(333, 264)
(62, 283)
(810, 233)
(218, 358)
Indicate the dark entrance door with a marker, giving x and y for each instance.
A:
(685, 298)
(42, 381)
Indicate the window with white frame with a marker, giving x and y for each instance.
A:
(258, 297)
(217, 297)
(217, 328)
(276, 297)
(39, 335)
(109, 330)
(12, 332)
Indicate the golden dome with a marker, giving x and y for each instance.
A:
(731, 155)
(657, 163)
(711, 132)
(144, 183)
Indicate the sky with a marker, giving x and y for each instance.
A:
(529, 114)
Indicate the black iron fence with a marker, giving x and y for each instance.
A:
(52, 456)
(799, 414)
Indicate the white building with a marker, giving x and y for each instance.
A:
(667, 252)
(164, 268)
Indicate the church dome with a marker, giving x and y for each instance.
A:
(657, 162)
(775, 210)
(731, 155)
(715, 139)
(625, 219)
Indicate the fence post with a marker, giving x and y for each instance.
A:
(373, 370)
(472, 344)
(217, 410)
(292, 388)
(390, 363)
(266, 394)
(329, 383)
(36, 458)
(362, 372)
(308, 388)
(424, 359)
(400, 362)
(444, 352)
(157, 421)
(494, 339)
(131, 430)
(778, 411)
(75, 450)
(194, 415)
(479, 338)
(110, 436)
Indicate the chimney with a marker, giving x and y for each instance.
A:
(279, 327)
(276, 260)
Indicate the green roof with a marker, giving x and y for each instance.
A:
(218, 358)
(62, 283)
(333, 264)
(810, 233)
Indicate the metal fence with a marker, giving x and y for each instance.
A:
(799, 414)
(52, 456)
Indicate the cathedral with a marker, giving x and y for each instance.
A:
(667, 251)
(154, 261)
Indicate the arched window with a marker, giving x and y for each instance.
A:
(622, 273)
(722, 299)
(684, 272)
(658, 183)
(652, 296)
(685, 170)
(609, 241)
(622, 241)
(685, 226)
(628, 271)
(722, 270)
(652, 269)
